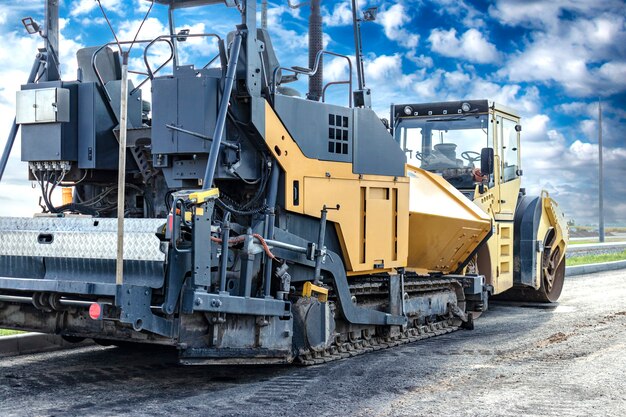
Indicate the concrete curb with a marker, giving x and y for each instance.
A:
(20, 344)
(571, 271)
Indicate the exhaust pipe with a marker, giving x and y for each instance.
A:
(316, 44)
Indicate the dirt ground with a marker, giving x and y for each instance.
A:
(563, 361)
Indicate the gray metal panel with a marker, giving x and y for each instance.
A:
(97, 146)
(145, 273)
(83, 238)
(114, 88)
(219, 303)
(197, 98)
(187, 102)
(42, 142)
(70, 287)
(22, 267)
(375, 150)
(351, 312)
(52, 141)
(164, 105)
(309, 124)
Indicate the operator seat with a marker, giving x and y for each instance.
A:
(107, 62)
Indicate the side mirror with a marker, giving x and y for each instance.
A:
(486, 161)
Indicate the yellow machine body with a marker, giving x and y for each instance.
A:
(496, 260)
(383, 223)
(444, 226)
(474, 146)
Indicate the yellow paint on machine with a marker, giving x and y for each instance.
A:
(372, 221)
(444, 226)
(375, 230)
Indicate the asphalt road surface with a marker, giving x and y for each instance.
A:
(564, 361)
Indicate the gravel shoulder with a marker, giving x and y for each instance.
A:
(563, 361)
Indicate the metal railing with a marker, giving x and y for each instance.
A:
(150, 42)
(312, 71)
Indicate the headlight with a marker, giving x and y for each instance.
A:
(466, 107)
(408, 110)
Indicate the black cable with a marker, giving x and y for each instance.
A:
(168, 197)
(255, 182)
(78, 208)
(233, 210)
(265, 174)
(44, 192)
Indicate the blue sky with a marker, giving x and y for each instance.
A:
(550, 60)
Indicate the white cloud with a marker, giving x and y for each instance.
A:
(383, 66)
(336, 69)
(427, 89)
(574, 108)
(142, 6)
(422, 61)
(583, 55)
(569, 172)
(82, 7)
(614, 73)
(393, 20)
(546, 14)
(526, 100)
(460, 10)
(283, 37)
(472, 45)
(340, 16)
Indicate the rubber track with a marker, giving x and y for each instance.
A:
(359, 347)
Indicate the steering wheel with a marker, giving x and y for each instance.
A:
(470, 156)
(418, 155)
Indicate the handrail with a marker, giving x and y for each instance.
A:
(165, 37)
(150, 74)
(337, 83)
(313, 71)
(97, 51)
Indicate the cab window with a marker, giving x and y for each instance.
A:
(509, 139)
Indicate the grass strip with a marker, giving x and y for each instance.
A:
(594, 259)
(5, 332)
(595, 240)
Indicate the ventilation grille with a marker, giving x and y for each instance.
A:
(338, 134)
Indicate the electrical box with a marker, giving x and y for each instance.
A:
(44, 105)
(47, 114)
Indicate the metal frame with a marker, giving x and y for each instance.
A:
(335, 268)
(312, 71)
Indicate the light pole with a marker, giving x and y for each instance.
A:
(362, 96)
(600, 176)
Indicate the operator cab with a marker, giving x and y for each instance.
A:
(460, 140)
